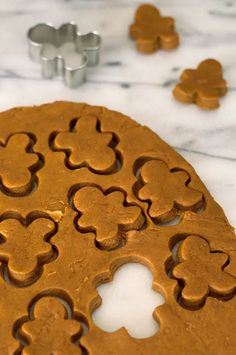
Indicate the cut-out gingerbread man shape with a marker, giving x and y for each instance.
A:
(87, 146)
(203, 86)
(16, 163)
(51, 332)
(167, 191)
(106, 214)
(202, 271)
(23, 247)
(152, 31)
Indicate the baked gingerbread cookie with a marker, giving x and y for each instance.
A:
(203, 86)
(85, 190)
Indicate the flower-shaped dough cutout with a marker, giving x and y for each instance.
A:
(24, 247)
(202, 271)
(167, 191)
(107, 215)
(152, 31)
(16, 163)
(203, 86)
(51, 332)
(87, 146)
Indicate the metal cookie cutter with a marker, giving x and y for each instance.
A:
(64, 51)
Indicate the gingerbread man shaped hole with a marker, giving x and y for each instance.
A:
(124, 297)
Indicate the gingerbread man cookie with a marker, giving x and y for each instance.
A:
(202, 271)
(167, 191)
(79, 145)
(25, 246)
(119, 218)
(151, 31)
(50, 331)
(16, 171)
(203, 86)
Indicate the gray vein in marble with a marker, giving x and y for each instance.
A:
(169, 82)
(10, 74)
(204, 154)
(222, 14)
(128, 84)
(113, 64)
(229, 4)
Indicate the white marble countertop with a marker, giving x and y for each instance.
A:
(135, 84)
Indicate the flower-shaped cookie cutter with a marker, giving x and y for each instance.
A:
(64, 51)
